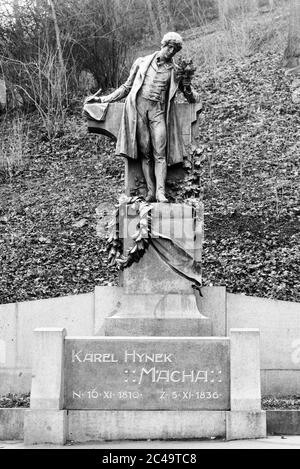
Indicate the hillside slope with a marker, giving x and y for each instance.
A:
(247, 163)
(245, 167)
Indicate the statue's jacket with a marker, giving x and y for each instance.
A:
(127, 141)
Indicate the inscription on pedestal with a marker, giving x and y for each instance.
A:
(147, 373)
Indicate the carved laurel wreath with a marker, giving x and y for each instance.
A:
(140, 239)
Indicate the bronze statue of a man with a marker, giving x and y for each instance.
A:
(149, 129)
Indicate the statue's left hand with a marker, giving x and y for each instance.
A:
(186, 82)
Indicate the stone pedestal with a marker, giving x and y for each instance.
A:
(179, 222)
(246, 425)
(145, 425)
(45, 427)
(162, 369)
(152, 276)
(148, 387)
(188, 327)
(158, 301)
(158, 315)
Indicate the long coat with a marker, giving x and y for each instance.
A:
(127, 141)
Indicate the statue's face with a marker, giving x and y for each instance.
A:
(168, 51)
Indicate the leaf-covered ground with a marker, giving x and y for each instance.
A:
(247, 164)
(268, 402)
(48, 220)
(283, 403)
(15, 400)
(244, 166)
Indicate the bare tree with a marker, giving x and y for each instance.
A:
(292, 52)
(153, 19)
(165, 16)
(57, 34)
(16, 12)
(2, 94)
(266, 5)
(228, 9)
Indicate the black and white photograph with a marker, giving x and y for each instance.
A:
(149, 228)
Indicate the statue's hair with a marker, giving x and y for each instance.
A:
(172, 38)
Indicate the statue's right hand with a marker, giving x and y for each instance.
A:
(92, 99)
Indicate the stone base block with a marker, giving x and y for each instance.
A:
(245, 425)
(45, 426)
(143, 425)
(245, 370)
(283, 422)
(168, 327)
(11, 424)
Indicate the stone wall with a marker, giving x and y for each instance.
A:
(83, 315)
(279, 324)
(17, 322)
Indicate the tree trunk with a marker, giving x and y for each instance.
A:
(16, 10)
(153, 20)
(292, 52)
(17, 16)
(171, 20)
(227, 9)
(266, 5)
(57, 34)
(2, 94)
(116, 16)
(165, 16)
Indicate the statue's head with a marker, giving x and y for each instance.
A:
(171, 44)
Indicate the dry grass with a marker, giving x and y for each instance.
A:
(43, 85)
(246, 34)
(13, 146)
(215, 42)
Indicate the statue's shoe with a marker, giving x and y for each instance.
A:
(161, 198)
(150, 197)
